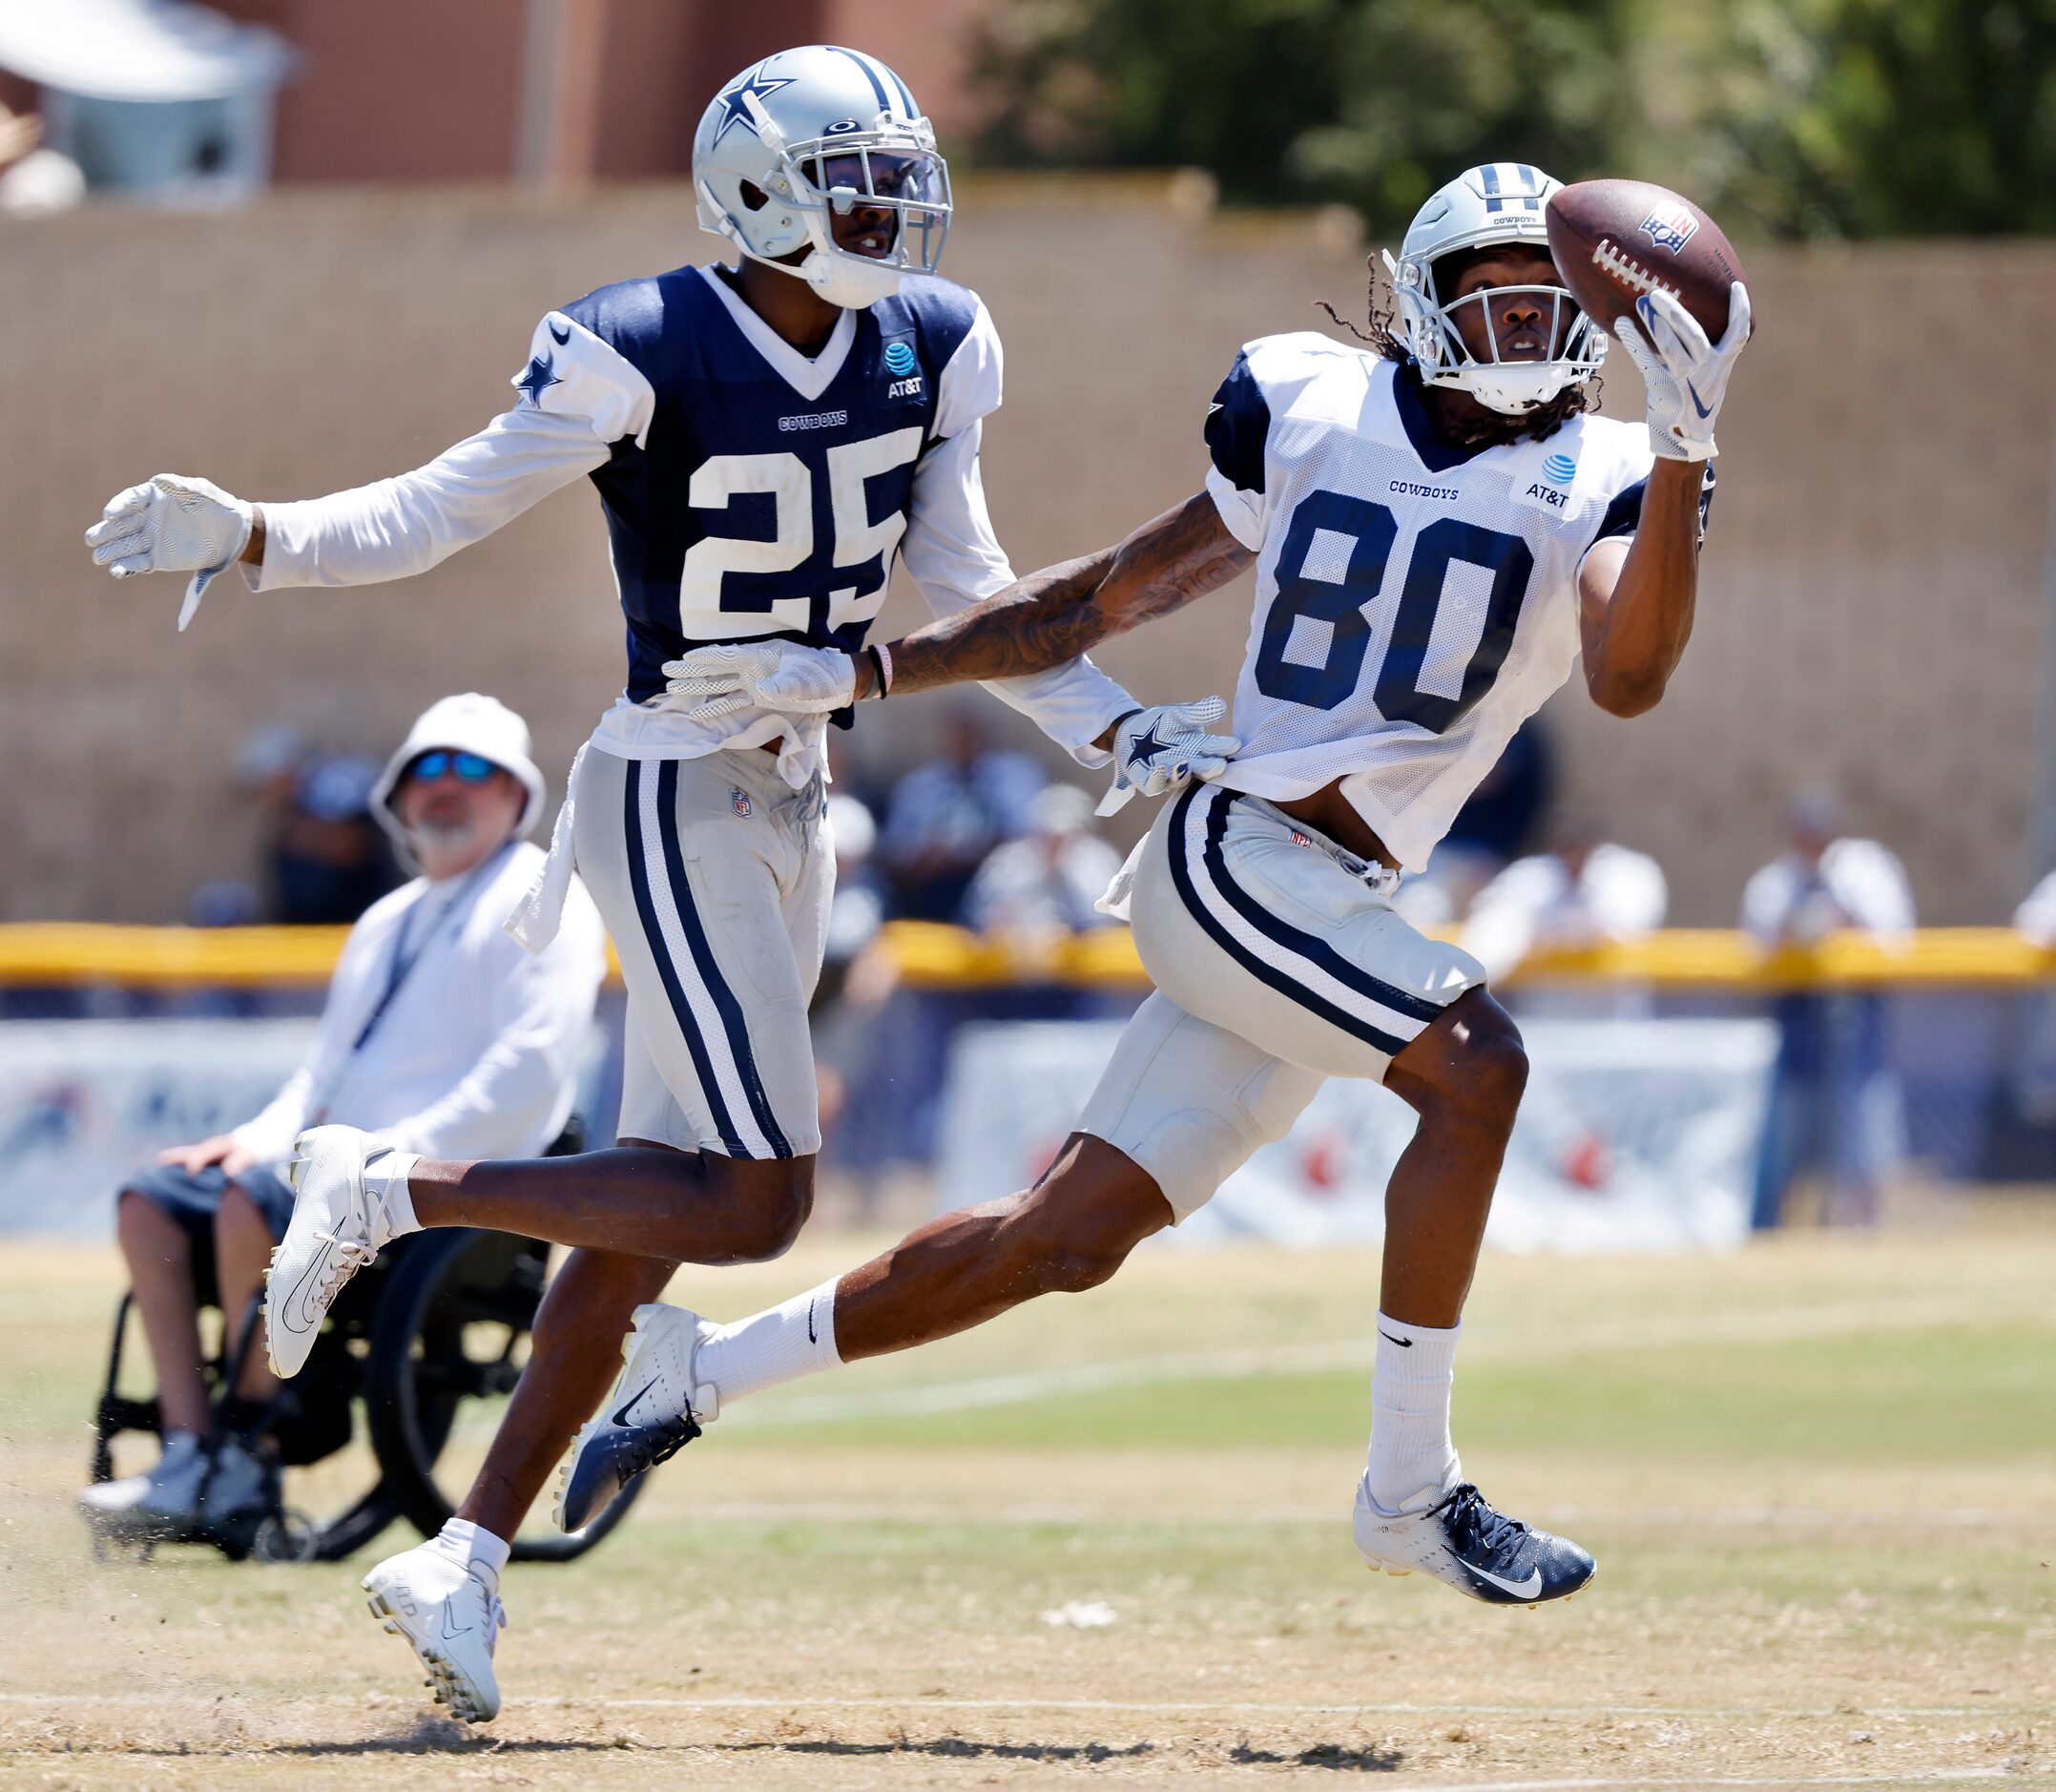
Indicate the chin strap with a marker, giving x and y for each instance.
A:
(851, 282)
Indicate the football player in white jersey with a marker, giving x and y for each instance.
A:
(1439, 529)
(766, 439)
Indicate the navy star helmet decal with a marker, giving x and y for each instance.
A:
(538, 377)
(734, 110)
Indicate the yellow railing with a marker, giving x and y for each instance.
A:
(931, 956)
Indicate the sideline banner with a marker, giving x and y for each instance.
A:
(86, 1103)
(1636, 1135)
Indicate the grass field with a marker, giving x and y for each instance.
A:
(1820, 1479)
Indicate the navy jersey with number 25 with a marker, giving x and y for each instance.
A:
(749, 489)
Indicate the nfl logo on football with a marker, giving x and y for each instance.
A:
(1669, 227)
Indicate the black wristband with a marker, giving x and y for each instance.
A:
(878, 672)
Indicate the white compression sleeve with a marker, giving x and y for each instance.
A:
(396, 528)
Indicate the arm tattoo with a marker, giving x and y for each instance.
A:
(1059, 613)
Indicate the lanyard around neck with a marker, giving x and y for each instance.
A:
(402, 962)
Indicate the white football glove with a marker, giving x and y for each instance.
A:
(1687, 376)
(172, 524)
(711, 683)
(1160, 749)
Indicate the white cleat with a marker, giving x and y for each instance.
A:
(653, 1413)
(1462, 1540)
(453, 1615)
(336, 1229)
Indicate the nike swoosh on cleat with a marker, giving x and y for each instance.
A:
(1520, 1589)
(628, 1405)
(295, 1315)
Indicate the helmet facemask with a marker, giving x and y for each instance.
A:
(1511, 387)
(893, 167)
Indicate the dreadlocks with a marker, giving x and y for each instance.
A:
(1538, 424)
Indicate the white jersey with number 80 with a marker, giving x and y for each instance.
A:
(1415, 602)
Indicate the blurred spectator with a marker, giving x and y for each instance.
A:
(948, 814)
(1493, 828)
(2036, 917)
(1835, 1100)
(858, 908)
(439, 1032)
(2034, 1074)
(857, 979)
(1585, 892)
(1048, 881)
(34, 179)
(329, 861)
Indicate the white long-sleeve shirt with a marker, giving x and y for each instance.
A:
(1858, 884)
(683, 405)
(1618, 894)
(477, 1052)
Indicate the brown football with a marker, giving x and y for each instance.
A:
(1615, 240)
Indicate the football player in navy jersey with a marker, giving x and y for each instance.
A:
(1439, 529)
(766, 439)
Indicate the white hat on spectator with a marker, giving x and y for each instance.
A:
(466, 724)
(1060, 809)
(851, 827)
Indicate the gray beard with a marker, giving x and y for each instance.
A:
(439, 839)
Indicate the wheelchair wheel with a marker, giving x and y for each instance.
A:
(448, 1344)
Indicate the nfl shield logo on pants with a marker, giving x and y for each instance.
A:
(740, 802)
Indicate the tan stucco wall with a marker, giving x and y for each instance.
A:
(1871, 613)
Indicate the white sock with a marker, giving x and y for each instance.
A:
(1413, 1461)
(385, 1180)
(779, 1344)
(466, 1543)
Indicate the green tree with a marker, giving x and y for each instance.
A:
(1788, 118)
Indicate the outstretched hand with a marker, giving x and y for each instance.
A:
(172, 523)
(1686, 375)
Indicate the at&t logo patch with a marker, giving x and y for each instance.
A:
(1559, 470)
(901, 359)
(1668, 227)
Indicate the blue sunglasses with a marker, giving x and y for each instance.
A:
(470, 767)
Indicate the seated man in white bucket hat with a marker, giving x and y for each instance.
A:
(438, 1028)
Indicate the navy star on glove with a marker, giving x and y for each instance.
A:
(1162, 749)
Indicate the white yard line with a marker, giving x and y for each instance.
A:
(1767, 1325)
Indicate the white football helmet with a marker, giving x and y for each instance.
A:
(1497, 202)
(817, 130)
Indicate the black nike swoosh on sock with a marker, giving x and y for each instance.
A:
(1404, 1343)
(811, 1339)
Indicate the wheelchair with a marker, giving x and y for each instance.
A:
(419, 1354)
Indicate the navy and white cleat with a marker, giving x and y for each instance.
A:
(654, 1412)
(1477, 1550)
